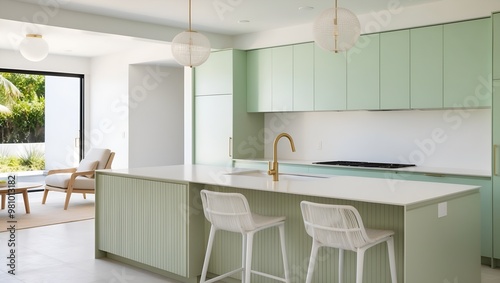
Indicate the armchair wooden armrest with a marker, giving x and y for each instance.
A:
(66, 170)
(81, 173)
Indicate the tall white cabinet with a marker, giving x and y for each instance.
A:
(223, 128)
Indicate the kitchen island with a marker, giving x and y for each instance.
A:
(153, 218)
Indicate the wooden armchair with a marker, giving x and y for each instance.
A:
(80, 179)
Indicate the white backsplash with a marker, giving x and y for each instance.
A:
(431, 138)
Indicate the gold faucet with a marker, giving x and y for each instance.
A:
(273, 168)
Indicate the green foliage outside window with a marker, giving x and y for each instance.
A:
(22, 119)
(24, 97)
(30, 160)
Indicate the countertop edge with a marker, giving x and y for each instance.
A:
(363, 189)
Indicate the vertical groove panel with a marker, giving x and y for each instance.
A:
(266, 250)
(143, 221)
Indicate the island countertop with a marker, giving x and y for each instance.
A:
(372, 190)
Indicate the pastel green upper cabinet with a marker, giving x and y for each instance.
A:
(303, 77)
(330, 80)
(395, 70)
(426, 67)
(259, 82)
(467, 63)
(282, 78)
(496, 46)
(215, 75)
(363, 74)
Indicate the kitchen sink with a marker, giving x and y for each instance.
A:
(364, 164)
(282, 176)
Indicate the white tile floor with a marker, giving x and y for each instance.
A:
(65, 253)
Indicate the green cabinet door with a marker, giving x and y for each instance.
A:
(215, 75)
(426, 67)
(496, 46)
(496, 170)
(467, 63)
(259, 80)
(363, 74)
(330, 80)
(395, 70)
(282, 78)
(303, 77)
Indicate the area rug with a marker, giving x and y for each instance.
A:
(50, 213)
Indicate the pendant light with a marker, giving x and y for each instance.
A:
(190, 48)
(34, 48)
(336, 29)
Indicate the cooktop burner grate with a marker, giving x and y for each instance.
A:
(365, 164)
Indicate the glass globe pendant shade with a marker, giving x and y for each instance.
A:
(190, 48)
(336, 29)
(34, 48)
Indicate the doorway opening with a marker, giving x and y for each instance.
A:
(41, 121)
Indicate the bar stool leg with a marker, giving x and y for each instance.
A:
(243, 256)
(312, 260)
(248, 260)
(207, 255)
(283, 252)
(392, 259)
(341, 265)
(359, 265)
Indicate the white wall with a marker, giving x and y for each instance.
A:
(156, 119)
(108, 107)
(458, 139)
(109, 100)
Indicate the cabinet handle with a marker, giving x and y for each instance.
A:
(495, 147)
(230, 147)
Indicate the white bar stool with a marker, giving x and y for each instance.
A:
(231, 212)
(341, 227)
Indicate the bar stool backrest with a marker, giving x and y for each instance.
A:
(227, 211)
(337, 226)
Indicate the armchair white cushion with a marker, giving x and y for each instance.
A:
(80, 179)
(61, 180)
(87, 165)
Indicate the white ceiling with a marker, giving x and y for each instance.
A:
(217, 16)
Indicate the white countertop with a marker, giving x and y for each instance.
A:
(373, 190)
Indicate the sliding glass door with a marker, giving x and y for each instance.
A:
(62, 121)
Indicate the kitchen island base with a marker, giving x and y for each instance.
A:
(435, 241)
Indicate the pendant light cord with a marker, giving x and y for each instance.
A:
(335, 24)
(189, 16)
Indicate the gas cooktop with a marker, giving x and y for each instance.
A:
(365, 164)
